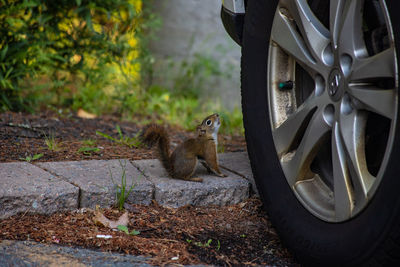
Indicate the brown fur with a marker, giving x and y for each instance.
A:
(153, 134)
(181, 164)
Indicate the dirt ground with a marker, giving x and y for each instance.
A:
(228, 236)
(24, 135)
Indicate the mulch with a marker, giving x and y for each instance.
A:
(228, 236)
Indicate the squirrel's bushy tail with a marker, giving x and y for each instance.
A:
(153, 134)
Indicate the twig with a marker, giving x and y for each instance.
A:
(169, 240)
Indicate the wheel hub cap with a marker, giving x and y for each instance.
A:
(335, 84)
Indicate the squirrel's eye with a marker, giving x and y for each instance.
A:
(208, 122)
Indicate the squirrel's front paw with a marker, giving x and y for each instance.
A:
(223, 175)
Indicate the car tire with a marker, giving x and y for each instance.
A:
(369, 235)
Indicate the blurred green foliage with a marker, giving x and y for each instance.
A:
(186, 99)
(51, 44)
(94, 55)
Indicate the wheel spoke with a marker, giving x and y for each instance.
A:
(351, 40)
(314, 33)
(298, 166)
(381, 101)
(335, 10)
(381, 65)
(285, 35)
(341, 178)
(285, 134)
(352, 130)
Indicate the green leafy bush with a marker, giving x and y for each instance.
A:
(55, 45)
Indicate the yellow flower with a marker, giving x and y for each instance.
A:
(132, 42)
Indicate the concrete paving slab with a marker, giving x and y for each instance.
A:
(35, 254)
(212, 191)
(97, 185)
(28, 253)
(239, 163)
(27, 188)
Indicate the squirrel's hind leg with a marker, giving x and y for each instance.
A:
(184, 168)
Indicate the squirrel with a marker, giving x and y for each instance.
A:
(181, 163)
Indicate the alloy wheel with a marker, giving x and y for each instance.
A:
(334, 129)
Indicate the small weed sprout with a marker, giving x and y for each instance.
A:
(51, 143)
(123, 140)
(32, 158)
(205, 244)
(89, 147)
(125, 229)
(89, 142)
(122, 192)
(86, 150)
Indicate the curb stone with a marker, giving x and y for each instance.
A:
(27, 188)
(28, 253)
(96, 183)
(60, 186)
(175, 193)
(239, 163)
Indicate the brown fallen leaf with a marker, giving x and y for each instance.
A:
(85, 115)
(100, 219)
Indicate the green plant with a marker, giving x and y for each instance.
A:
(205, 244)
(94, 55)
(232, 121)
(121, 191)
(32, 158)
(49, 48)
(182, 93)
(89, 142)
(151, 22)
(122, 140)
(125, 229)
(221, 148)
(89, 147)
(52, 143)
(192, 76)
(88, 150)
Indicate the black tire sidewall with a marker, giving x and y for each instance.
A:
(363, 239)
